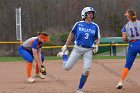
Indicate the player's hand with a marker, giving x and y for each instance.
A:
(64, 48)
(43, 70)
(95, 49)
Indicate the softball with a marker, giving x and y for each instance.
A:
(43, 69)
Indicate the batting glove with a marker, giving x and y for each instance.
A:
(95, 49)
(64, 48)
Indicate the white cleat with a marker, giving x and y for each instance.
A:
(30, 80)
(79, 91)
(61, 53)
(119, 85)
(39, 75)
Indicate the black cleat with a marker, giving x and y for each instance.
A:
(119, 86)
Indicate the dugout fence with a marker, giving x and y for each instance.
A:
(110, 49)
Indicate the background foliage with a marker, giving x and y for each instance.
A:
(57, 17)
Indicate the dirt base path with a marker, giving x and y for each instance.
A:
(103, 78)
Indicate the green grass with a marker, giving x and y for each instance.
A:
(108, 57)
(10, 59)
(16, 59)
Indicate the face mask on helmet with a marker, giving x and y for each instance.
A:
(86, 10)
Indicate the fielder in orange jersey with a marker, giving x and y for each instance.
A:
(30, 51)
(131, 34)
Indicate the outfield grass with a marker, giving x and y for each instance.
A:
(16, 59)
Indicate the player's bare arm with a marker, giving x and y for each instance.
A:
(124, 37)
(36, 58)
(97, 41)
(69, 39)
(39, 55)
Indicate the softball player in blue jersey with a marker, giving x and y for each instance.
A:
(87, 38)
(130, 33)
(31, 50)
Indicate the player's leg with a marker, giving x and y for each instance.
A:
(73, 58)
(29, 58)
(64, 55)
(87, 60)
(38, 74)
(131, 55)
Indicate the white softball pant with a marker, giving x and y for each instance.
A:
(75, 55)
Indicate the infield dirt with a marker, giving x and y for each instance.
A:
(104, 76)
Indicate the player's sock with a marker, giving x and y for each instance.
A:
(82, 81)
(37, 70)
(29, 69)
(65, 58)
(124, 74)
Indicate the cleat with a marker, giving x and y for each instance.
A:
(30, 80)
(39, 75)
(79, 91)
(119, 86)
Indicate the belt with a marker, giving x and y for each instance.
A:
(134, 40)
(84, 46)
(26, 48)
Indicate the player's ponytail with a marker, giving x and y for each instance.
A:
(42, 33)
(132, 14)
(38, 33)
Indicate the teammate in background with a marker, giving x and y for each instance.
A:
(131, 34)
(31, 50)
(87, 38)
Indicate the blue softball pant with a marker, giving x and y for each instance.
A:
(133, 50)
(27, 54)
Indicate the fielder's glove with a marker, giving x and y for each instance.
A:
(95, 49)
(43, 70)
(64, 48)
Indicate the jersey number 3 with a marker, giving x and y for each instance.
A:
(86, 35)
(136, 30)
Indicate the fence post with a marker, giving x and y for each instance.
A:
(114, 48)
(14, 50)
(110, 48)
(51, 52)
